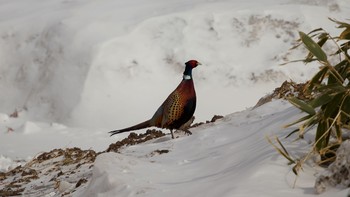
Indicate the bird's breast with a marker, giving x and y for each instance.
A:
(186, 89)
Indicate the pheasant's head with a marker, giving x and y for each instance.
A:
(192, 63)
(188, 70)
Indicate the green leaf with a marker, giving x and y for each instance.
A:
(302, 105)
(318, 78)
(282, 151)
(310, 122)
(344, 47)
(320, 138)
(331, 109)
(313, 47)
(297, 167)
(293, 61)
(291, 133)
(345, 108)
(341, 66)
(316, 30)
(335, 76)
(323, 37)
(321, 100)
(338, 131)
(334, 88)
(341, 24)
(295, 170)
(298, 121)
(345, 35)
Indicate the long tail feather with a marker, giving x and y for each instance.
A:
(142, 125)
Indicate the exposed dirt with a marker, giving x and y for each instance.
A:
(287, 89)
(14, 114)
(44, 173)
(213, 119)
(63, 171)
(134, 138)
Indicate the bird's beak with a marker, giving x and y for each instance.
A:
(198, 63)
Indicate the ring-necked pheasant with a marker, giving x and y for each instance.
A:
(177, 109)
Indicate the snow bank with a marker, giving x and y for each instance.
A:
(6, 163)
(338, 173)
(93, 65)
(230, 157)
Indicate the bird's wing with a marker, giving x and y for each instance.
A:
(173, 109)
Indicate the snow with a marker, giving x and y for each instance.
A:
(337, 175)
(230, 157)
(73, 70)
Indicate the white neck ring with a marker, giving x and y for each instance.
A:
(187, 77)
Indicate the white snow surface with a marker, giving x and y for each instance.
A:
(230, 157)
(75, 69)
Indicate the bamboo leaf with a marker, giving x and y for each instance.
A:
(318, 78)
(316, 30)
(333, 88)
(297, 167)
(280, 151)
(345, 35)
(322, 40)
(345, 108)
(298, 121)
(284, 149)
(331, 109)
(341, 24)
(341, 65)
(328, 132)
(338, 132)
(313, 47)
(335, 75)
(295, 171)
(293, 61)
(346, 104)
(320, 135)
(321, 100)
(309, 123)
(291, 133)
(302, 105)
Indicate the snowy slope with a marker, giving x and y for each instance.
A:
(230, 157)
(74, 69)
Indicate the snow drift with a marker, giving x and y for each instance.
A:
(71, 70)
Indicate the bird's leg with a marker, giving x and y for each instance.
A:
(187, 131)
(187, 125)
(172, 134)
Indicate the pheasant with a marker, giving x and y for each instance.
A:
(176, 110)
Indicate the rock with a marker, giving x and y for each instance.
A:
(63, 186)
(338, 173)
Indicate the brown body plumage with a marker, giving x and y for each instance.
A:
(177, 109)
